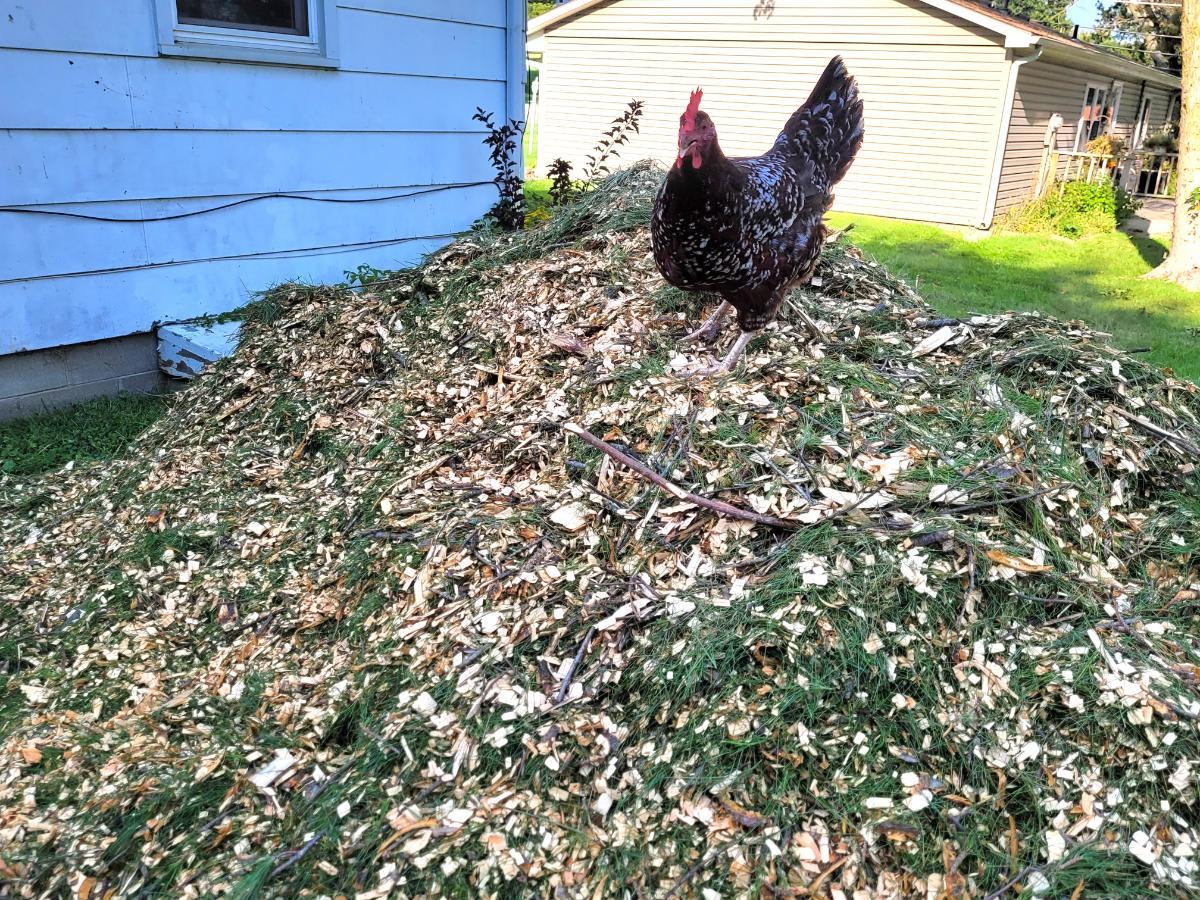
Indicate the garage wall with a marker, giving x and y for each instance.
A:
(932, 86)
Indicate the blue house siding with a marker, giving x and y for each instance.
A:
(102, 126)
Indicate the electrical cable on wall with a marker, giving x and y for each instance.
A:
(268, 254)
(25, 210)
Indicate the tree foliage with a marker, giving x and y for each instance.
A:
(1150, 34)
(1052, 13)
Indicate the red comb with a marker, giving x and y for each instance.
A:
(693, 107)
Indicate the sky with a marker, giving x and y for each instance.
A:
(1083, 12)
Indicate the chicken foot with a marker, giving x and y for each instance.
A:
(730, 360)
(813, 329)
(711, 329)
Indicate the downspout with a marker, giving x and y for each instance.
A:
(515, 95)
(1010, 95)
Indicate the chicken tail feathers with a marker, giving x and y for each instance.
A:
(827, 130)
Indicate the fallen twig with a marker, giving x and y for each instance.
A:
(566, 682)
(717, 506)
(1003, 501)
(696, 867)
(381, 534)
(297, 855)
(1179, 441)
(816, 885)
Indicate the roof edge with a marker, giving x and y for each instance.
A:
(1018, 36)
(538, 24)
(1014, 35)
(1014, 32)
(1111, 63)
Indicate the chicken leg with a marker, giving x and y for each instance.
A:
(711, 329)
(731, 358)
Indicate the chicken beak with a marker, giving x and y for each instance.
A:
(686, 148)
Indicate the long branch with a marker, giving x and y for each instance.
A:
(717, 506)
(1178, 440)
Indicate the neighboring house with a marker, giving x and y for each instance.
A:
(958, 96)
(161, 159)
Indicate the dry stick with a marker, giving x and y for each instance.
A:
(382, 534)
(717, 506)
(1179, 441)
(988, 504)
(816, 885)
(566, 682)
(1031, 869)
(297, 855)
(691, 873)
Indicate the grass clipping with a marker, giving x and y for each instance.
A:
(363, 619)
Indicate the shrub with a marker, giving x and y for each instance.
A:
(501, 140)
(564, 188)
(1127, 205)
(1074, 209)
(617, 135)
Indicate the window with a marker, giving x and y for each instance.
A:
(283, 16)
(288, 32)
(1100, 102)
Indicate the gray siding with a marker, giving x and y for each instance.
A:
(1043, 89)
(933, 89)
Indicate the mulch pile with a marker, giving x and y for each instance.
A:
(365, 615)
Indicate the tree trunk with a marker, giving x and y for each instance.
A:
(1182, 264)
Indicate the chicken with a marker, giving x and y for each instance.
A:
(747, 229)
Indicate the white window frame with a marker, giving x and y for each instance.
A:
(318, 48)
(1112, 100)
(1141, 125)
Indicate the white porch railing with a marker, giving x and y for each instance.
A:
(1142, 173)
(1152, 174)
(1090, 167)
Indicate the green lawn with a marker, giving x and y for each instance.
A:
(1095, 280)
(99, 429)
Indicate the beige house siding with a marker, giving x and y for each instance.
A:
(933, 87)
(1046, 88)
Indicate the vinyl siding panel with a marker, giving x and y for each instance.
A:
(106, 127)
(932, 87)
(1043, 89)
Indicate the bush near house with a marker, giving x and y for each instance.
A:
(1073, 210)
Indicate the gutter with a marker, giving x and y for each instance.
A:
(1014, 68)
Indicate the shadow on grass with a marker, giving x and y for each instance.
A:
(1151, 251)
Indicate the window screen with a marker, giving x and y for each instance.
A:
(286, 16)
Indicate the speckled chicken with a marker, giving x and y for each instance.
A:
(747, 229)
